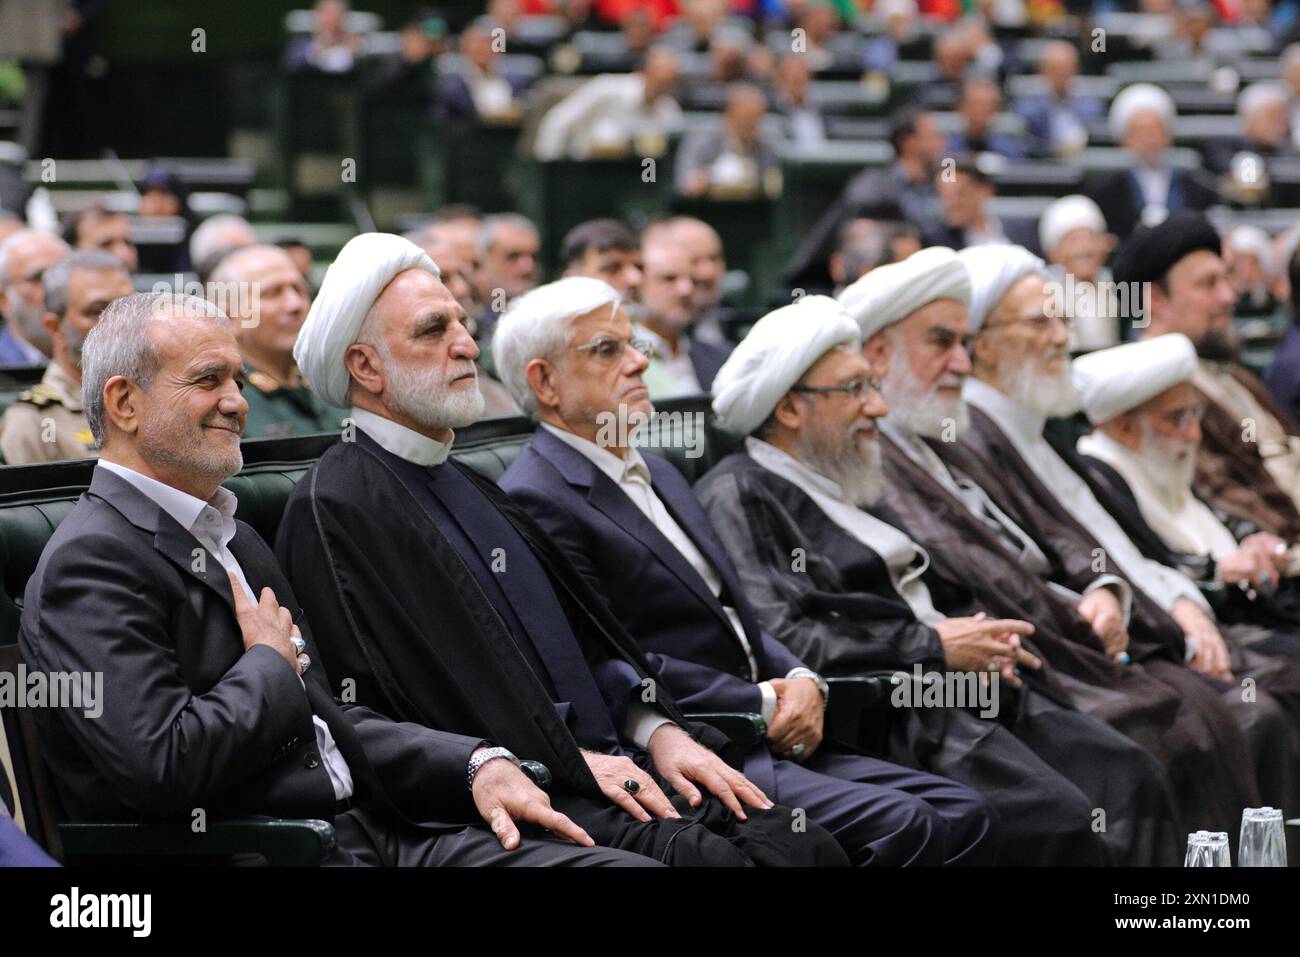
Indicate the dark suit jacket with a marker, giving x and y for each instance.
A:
(707, 358)
(190, 719)
(660, 599)
(1022, 232)
(1283, 374)
(455, 102)
(1120, 198)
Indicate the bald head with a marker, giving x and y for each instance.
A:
(260, 288)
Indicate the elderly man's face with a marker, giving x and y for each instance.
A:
(979, 104)
(1082, 251)
(1031, 349)
(426, 362)
(22, 297)
(89, 293)
(1268, 125)
(925, 361)
(1169, 432)
(606, 377)
(667, 289)
(112, 234)
(837, 434)
(193, 411)
(621, 268)
(282, 301)
(1199, 303)
(1147, 136)
(511, 262)
(1059, 66)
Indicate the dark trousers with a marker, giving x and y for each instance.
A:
(887, 815)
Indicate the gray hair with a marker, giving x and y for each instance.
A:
(12, 242)
(211, 236)
(488, 228)
(57, 278)
(119, 344)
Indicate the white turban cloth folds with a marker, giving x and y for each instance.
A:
(889, 294)
(781, 347)
(1119, 379)
(363, 268)
(993, 270)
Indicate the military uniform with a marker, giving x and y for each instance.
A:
(276, 410)
(47, 423)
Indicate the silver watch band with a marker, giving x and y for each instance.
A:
(482, 757)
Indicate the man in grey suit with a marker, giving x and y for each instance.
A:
(211, 700)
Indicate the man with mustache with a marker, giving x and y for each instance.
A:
(1022, 377)
(845, 590)
(266, 298)
(1146, 416)
(1249, 463)
(213, 698)
(24, 257)
(913, 316)
(47, 423)
(440, 602)
(633, 528)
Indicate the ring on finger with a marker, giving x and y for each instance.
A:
(299, 644)
(304, 662)
(797, 751)
(631, 786)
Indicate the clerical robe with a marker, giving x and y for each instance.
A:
(407, 625)
(1199, 745)
(831, 600)
(1265, 711)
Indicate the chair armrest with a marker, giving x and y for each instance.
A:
(745, 729)
(857, 712)
(282, 841)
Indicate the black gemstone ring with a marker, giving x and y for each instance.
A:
(630, 786)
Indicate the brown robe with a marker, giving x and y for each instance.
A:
(1230, 473)
(971, 570)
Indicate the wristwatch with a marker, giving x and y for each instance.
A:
(482, 757)
(817, 679)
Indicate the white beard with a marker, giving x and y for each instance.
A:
(1168, 465)
(1049, 394)
(924, 412)
(855, 468)
(425, 395)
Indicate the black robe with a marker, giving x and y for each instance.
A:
(405, 626)
(1266, 714)
(972, 569)
(830, 599)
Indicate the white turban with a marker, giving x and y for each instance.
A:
(889, 294)
(781, 347)
(366, 265)
(1252, 241)
(1115, 380)
(1136, 99)
(993, 270)
(1259, 95)
(1065, 215)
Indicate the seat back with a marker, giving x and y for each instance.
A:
(24, 785)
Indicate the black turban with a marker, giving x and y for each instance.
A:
(1153, 250)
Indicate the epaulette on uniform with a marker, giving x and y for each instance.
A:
(40, 395)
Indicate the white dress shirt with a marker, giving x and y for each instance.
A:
(982, 507)
(642, 720)
(1024, 428)
(605, 112)
(212, 523)
(632, 477)
(670, 374)
(906, 560)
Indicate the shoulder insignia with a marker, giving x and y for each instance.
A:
(40, 395)
(262, 381)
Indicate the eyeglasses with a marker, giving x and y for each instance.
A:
(857, 389)
(1182, 418)
(607, 348)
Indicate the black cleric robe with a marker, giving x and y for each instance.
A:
(395, 562)
(1265, 711)
(830, 599)
(972, 569)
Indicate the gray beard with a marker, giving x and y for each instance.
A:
(922, 412)
(857, 471)
(1053, 396)
(1165, 464)
(425, 395)
(28, 322)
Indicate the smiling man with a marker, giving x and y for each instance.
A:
(47, 423)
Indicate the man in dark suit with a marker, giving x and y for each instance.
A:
(480, 90)
(684, 364)
(1141, 119)
(211, 698)
(633, 528)
(964, 195)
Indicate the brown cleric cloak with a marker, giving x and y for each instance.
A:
(971, 569)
